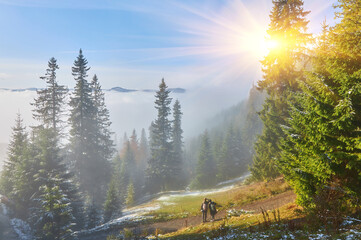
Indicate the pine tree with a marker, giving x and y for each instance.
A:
(129, 201)
(49, 104)
(16, 178)
(282, 71)
(206, 167)
(322, 143)
(16, 152)
(177, 146)
(160, 145)
(54, 215)
(117, 173)
(231, 163)
(93, 214)
(52, 177)
(112, 203)
(143, 150)
(82, 122)
(89, 137)
(104, 138)
(134, 145)
(253, 125)
(49, 109)
(127, 172)
(45, 146)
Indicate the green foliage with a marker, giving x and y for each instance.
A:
(127, 171)
(104, 135)
(129, 201)
(54, 192)
(49, 104)
(322, 147)
(112, 203)
(264, 167)
(206, 167)
(232, 160)
(283, 68)
(54, 215)
(90, 138)
(177, 148)
(160, 144)
(232, 136)
(16, 177)
(312, 119)
(93, 214)
(164, 165)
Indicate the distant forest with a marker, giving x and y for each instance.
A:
(60, 181)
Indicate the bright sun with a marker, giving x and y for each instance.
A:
(258, 45)
(271, 44)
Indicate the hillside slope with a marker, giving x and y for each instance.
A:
(173, 211)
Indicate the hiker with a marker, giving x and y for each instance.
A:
(204, 209)
(212, 209)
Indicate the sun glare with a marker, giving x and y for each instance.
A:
(272, 44)
(258, 45)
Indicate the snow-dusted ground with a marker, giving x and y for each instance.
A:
(235, 181)
(233, 234)
(130, 216)
(227, 185)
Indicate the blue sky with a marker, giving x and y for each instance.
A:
(135, 43)
(210, 47)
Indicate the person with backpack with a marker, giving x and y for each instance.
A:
(204, 209)
(212, 209)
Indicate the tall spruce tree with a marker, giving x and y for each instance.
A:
(206, 167)
(127, 172)
(53, 208)
(52, 175)
(88, 121)
(282, 71)
(112, 204)
(323, 141)
(175, 167)
(49, 104)
(93, 213)
(18, 170)
(54, 216)
(82, 123)
(104, 137)
(129, 201)
(134, 145)
(231, 163)
(160, 145)
(143, 150)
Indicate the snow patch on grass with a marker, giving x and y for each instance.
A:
(130, 216)
(237, 213)
(122, 221)
(236, 180)
(176, 195)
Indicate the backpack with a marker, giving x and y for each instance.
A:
(212, 206)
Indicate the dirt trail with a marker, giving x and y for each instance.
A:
(174, 225)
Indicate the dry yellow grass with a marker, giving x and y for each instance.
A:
(185, 206)
(242, 222)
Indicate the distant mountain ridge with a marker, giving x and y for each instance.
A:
(114, 89)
